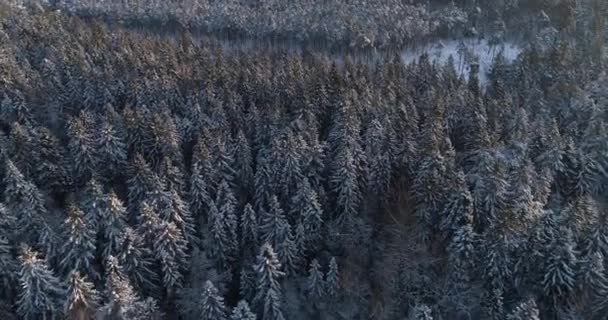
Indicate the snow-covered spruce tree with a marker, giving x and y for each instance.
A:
(498, 267)
(170, 250)
(592, 284)
(137, 261)
(82, 298)
(250, 238)
(242, 312)
(305, 207)
(78, 250)
(92, 201)
(268, 297)
(8, 267)
(82, 148)
(199, 194)
(217, 238)
(489, 193)
(462, 253)
(142, 181)
(122, 301)
(15, 109)
(171, 173)
(525, 310)
(332, 279)
(164, 138)
(492, 305)
(228, 206)
(344, 183)
(23, 150)
(41, 293)
(224, 160)
(458, 208)
(315, 286)
(428, 184)
(243, 163)
(263, 187)
(421, 312)
(171, 208)
(287, 251)
(273, 224)
(113, 224)
(378, 158)
(111, 150)
(212, 304)
(25, 204)
(286, 157)
(559, 265)
(51, 171)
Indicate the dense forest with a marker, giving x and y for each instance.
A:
(147, 177)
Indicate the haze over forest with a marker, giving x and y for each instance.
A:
(303, 160)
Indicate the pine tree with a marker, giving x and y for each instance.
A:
(525, 310)
(137, 262)
(462, 253)
(172, 174)
(41, 293)
(212, 303)
(82, 298)
(92, 201)
(113, 224)
(559, 266)
(243, 163)
(123, 302)
(429, 183)
(111, 150)
(305, 205)
(273, 224)
(82, 147)
(249, 229)
(421, 312)
(315, 286)
(171, 208)
(492, 305)
(200, 192)
(78, 250)
(268, 294)
(170, 250)
(142, 182)
(25, 203)
(51, 171)
(263, 186)
(218, 239)
(378, 158)
(8, 267)
(23, 150)
(242, 312)
(227, 201)
(344, 183)
(332, 279)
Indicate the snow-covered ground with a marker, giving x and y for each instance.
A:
(464, 52)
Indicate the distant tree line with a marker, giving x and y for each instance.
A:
(339, 24)
(146, 179)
